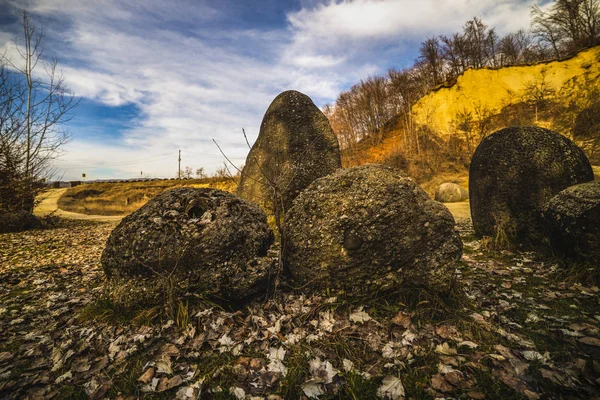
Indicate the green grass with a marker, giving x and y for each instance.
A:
(357, 387)
(297, 374)
(107, 311)
(71, 392)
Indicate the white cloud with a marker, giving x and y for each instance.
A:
(362, 19)
(352, 28)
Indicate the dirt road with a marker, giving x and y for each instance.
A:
(49, 204)
(461, 211)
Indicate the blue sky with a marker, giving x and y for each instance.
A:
(156, 76)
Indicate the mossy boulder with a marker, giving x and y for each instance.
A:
(369, 228)
(572, 221)
(206, 238)
(451, 193)
(18, 221)
(295, 146)
(515, 171)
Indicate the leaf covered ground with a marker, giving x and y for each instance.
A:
(516, 327)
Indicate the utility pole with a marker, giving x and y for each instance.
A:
(179, 166)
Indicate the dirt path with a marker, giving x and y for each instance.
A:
(49, 204)
(461, 211)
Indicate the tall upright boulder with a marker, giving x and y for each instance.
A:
(369, 228)
(516, 170)
(295, 146)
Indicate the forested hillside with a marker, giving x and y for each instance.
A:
(429, 118)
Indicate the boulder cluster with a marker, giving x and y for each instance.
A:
(536, 188)
(369, 227)
(514, 172)
(362, 229)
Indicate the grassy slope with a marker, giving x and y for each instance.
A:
(121, 198)
(495, 88)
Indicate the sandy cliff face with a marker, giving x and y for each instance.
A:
(489, 90)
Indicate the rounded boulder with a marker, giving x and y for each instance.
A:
(451, 193)
(210, 238)
(572, 221)
(368, 228)
(295, 146)
(516, 170)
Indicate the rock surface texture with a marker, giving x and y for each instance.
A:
(451, 193)
(572, 220)
(211, 238)
(18, 221)
(295, 146)
(516, 170)
(369, 227)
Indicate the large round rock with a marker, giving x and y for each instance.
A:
(366, 228)
(572, 220)
(209, 237)
(451, 193)
(295, 146)
(17, 221)
(516, 170)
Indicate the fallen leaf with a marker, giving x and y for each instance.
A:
(438, 382)
(168, 384)
(391, 388)
(5, 356)
(147, 376)
(191, 392)
(590, 341)
(403, 319)
(447, 332)
(312, 389)
(238, 392)
(163, 365)
(445, 349)
(359, 316)
(322, 371)
(63, 377)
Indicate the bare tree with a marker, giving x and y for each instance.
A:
(187, 173)
(200, 174)
(431, 55)
(222, 172)
(568, 25)
(38, 112)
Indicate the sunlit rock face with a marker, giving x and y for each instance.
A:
(515, 171)
(369, 228)
(295, 146)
